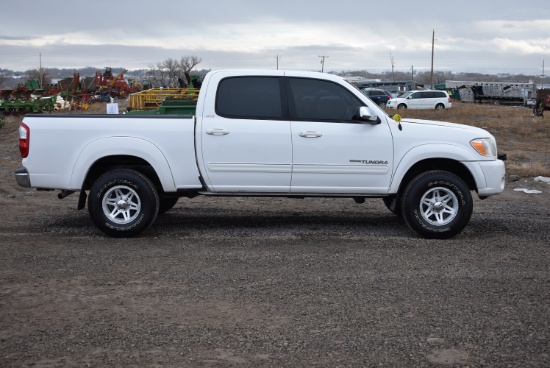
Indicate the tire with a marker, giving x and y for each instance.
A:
(123, 203)
(437, 205)
(382, 104)
(402, 106)
(166, 203)
(440, 107)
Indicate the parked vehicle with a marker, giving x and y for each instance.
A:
(379, 96)
(262, 133)
(429, 99)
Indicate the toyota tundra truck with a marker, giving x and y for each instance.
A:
(263, 133)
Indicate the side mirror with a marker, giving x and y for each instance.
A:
(368, 116)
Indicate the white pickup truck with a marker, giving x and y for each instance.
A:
(263, 133)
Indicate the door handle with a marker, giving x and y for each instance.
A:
(217, 131)
(310, 134)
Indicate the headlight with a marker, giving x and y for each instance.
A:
(484, 146)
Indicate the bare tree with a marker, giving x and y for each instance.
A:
(187, 63)
(438, 77)
(40, 75)
(172, 73)
(1, 79)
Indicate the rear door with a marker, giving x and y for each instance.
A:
(245, 143)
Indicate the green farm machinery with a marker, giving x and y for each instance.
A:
(25, 100)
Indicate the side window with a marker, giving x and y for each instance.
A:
(416, 95)
(320, 100)
(440, 94)
(249, 98)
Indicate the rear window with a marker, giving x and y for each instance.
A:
(249, 98)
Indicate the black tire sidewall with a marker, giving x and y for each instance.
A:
(141, 185)
(423, 183)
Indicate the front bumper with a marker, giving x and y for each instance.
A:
(494, 172)
(22, 177)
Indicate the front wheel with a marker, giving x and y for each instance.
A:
(437, 205)
(123, 203)
(402, 107)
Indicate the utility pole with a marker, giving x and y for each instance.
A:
(278, 58)
(40, 70)
(542, 76)
(392, 65)
(412, 73)
(432, 73)
(323, 62)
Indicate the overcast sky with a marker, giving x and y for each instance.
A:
(492, 36)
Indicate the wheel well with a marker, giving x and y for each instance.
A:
(448, 165)
(109, 163)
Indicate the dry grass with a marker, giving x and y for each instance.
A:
(523, 137)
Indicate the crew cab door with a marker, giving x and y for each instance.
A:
(245, 143)
(332, 151)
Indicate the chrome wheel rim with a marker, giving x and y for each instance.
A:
(439, 206)
(121, 204)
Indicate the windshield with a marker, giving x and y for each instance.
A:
(406, 94)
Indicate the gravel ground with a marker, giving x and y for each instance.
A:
(226, 282)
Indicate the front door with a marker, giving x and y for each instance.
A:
(332, 152)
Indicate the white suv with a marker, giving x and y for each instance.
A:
(428, 99)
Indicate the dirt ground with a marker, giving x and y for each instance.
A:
(274, 282)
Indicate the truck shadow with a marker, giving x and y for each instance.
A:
(226, 222)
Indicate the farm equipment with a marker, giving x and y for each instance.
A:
(542, 102)
(25, 100)
(164, 101)
(115, 86)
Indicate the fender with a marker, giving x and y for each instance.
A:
(436, 151)
(128, 146)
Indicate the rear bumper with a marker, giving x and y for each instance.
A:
(22, 177)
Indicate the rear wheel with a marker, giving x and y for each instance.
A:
(440, 107)
(437, 204)
(123, 203)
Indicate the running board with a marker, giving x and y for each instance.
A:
(289, 195)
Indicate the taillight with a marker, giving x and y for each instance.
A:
(24, 140)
